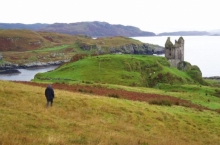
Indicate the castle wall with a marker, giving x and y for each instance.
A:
(174, 62)
(174, 53)
(169, 53)
(182, 53)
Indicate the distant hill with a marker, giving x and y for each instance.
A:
(96, 29)
(93, 29)
(184, 33)
(34, 27)
(22, 40)
(215, 32)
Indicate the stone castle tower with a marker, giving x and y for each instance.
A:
(174, 52)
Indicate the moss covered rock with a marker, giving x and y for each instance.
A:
(184, 66)
(192, 70)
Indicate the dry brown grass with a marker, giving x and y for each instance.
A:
(78, 118)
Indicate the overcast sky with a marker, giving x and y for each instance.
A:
(149, 15)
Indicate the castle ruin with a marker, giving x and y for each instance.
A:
(174, 52)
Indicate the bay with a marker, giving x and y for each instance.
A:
(203, 51)
(26, 74)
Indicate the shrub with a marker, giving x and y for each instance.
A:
(80, 90)
(217, 93)
(114, 95)
(85, 91)
(218, 111)
(161, 102)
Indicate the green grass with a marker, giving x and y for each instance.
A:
(56, 48)
(201, 95)
(129, 70)
(79, 118)
(213, 82)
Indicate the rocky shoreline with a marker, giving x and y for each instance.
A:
(10, 71)
(9, 68)
(213, 78)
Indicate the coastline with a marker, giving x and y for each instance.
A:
(9, 68)
(212, 77)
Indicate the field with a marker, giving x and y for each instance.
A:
(111, 99)
(84, 117)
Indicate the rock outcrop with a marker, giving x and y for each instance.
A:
(10, 66)
(145, 48)
(10, 71)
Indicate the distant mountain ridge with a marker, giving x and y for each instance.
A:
(33, 27)
(215, 32)
(96, 29)
(100, 29)
(93, 29)
(184, 33)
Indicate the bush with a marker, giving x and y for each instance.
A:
(113, 95)
(161, 102)
(85, 91)
(218, 111)
(80, 90)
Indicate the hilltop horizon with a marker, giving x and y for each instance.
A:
(102, 27)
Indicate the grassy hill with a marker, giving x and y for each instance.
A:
(25, 46)
(23, 40)
(81, 118)
(129, 70)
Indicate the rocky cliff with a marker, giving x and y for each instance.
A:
(143, 48)
(9, 66)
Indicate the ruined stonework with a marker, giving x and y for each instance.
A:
(174, 52)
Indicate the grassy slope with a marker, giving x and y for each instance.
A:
(130, 70)
(19, 42)
(201, 95)
(88, 119)
(23, 38)
(110, 41)
(25, 46)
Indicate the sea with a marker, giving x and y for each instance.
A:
(26, 74)
(203, 51)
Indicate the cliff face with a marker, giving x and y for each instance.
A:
(144, 48)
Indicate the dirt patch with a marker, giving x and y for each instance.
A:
(119, 93)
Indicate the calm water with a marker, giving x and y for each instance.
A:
(203, 51)
(26, 74)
